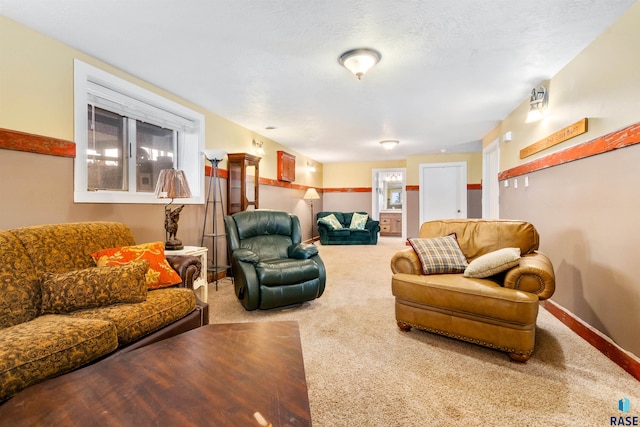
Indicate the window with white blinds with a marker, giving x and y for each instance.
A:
(125, 135)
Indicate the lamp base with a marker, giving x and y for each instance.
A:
(173, 245)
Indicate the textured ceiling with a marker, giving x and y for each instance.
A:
(450, 70)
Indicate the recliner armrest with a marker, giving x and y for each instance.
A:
(187, 266)
(246, 255)
(302, 251)
(534, 274)
(406, 261)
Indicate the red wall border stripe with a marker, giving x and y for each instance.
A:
(348, 190)
(469, 187)
(612, 141)
(609, 349)
(22, 141)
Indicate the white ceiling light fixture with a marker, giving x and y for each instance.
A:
(359, 61)
(389, 144)
(538, 104)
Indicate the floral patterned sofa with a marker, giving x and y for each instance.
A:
(60, 311)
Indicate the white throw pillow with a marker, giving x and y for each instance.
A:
(493, 263)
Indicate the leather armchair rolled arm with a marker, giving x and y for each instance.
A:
(534, 274)
(406, 261)
(187, 266)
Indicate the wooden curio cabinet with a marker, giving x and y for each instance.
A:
(243, 182)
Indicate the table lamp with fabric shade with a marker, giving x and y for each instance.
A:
(172, 184)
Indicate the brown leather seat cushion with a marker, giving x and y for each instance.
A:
(467, 296)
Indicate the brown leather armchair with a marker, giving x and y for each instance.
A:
(498, 311)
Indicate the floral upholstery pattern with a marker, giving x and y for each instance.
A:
(35, 346)
(48, 346)
(358, 221)
(19, 284)
(94, 287)
(331, 221)
(160, 273)
(59, 248)
(134, 321)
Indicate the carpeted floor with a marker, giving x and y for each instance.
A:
(363, 371)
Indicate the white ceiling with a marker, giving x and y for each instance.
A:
(450, 70)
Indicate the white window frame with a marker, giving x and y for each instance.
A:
(190, 139)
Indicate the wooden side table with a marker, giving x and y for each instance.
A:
(201, 281)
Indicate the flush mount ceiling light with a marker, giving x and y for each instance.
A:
(388, 144)
(359, 61)
(538, 103)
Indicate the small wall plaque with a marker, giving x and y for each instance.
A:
(571, 131)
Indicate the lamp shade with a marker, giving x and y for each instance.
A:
(214, 155)
(172, 184)
(311, 194)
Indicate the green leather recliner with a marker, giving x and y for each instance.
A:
(271, 267)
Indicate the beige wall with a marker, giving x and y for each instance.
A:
(601, 83)
(586, 210)
(355, 174)
(473, 161)
(358, 174)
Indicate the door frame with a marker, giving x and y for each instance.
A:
(462, 188)
(375, 207)
(490, 181)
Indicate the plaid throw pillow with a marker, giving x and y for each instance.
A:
(439, 255)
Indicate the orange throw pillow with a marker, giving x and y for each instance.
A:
(160, 273)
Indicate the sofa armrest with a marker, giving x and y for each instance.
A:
(406, 261)
(372, 225)
(534, 275)
(187, 266)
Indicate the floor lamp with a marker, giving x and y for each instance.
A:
(311, 195)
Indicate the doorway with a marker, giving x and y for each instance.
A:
(490, 184)
(389, 194)
(443, 191)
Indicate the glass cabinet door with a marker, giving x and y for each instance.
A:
(234, 187)
(243, 182)
(250, 190)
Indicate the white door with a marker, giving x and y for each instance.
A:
(443, 191)
(490, 184)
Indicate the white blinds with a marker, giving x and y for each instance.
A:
(100, 95)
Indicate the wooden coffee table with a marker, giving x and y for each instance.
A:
(242, 374)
